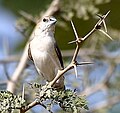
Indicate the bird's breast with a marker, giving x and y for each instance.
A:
(43, 63)
(42, 43)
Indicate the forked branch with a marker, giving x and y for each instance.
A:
(78, 42)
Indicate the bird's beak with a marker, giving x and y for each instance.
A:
(53, 21)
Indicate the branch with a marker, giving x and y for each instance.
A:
(27, 16)
(10, 59)
(34, 103)
(15, 77)
(53, 8)
(109, 73)
(78, 43)
(6, 72)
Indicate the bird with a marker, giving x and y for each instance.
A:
(44, 51)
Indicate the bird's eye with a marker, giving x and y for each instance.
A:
(51, 19)
(44, 20)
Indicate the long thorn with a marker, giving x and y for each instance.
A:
(103, 18)
(107, 13)
(104, 24)
(76, 35)
(75, 68)
(100, 16)
(71, 42)
(84, 63)
(105, 34)
(23, 92)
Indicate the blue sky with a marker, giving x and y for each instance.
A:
(8, 34)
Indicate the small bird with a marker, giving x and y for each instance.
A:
(44, 52)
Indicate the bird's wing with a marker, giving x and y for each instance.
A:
(29, 53)
(59, 55)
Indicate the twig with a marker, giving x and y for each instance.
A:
(27, 16)
(11, 85)
(10, 59)
(20, 31)
(34, 103)
(6, 72)
(109, 73)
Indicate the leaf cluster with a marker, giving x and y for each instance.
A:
(67, 99)
(9, 102)
(80, 8)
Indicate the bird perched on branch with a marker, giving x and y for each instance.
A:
(44, 52)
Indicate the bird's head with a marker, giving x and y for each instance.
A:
(47, 24)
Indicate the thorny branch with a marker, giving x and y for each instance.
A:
(78, 43)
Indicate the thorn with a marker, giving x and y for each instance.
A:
(104, 16)
(75, 32)
(84, 63)
(107, 13)
(76, 73)
(23, 92)
(105, 34)
(100, 16)
(79, 41)
(71, 42)
(104, 24)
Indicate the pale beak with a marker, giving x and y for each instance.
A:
(53, 21)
